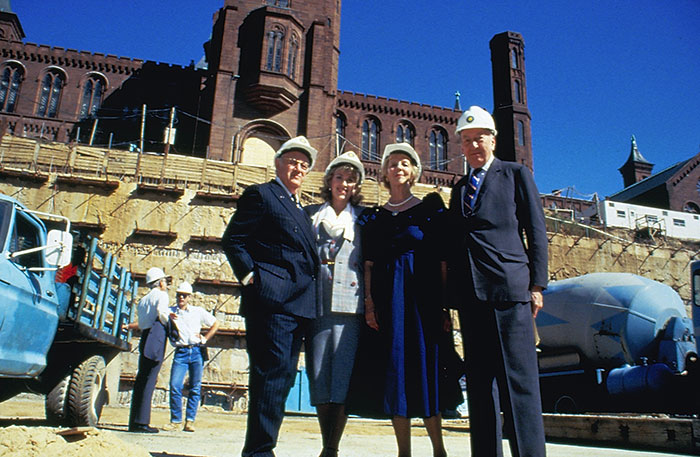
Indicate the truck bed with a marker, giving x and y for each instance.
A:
(102, 299)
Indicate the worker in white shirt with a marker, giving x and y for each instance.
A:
(188, 357)
(152, 314)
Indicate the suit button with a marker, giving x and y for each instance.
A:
(296, 229)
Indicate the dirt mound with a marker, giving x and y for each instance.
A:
(21, 441)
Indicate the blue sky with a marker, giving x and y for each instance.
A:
(597, 71)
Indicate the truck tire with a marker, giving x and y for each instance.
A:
(87, 394)
(55, 404)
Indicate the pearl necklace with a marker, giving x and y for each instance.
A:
(395, 205)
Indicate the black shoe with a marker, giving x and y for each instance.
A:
(140, 428)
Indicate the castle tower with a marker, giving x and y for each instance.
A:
(636, 168)
(273, 75)
(511, 114)
(10, 28)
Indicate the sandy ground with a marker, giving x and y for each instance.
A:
(220, 434)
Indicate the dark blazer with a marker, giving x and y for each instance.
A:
(154, 347)
(498, 263)
(272, 237)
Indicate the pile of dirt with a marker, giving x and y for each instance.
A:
(21, 441)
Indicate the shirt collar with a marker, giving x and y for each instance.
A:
(486, 165)
(289, 194)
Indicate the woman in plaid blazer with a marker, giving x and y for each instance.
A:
(332, 342)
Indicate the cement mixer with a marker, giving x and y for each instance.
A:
(615, 342)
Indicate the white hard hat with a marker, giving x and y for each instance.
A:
(348, 158)
(476, 117)
(402, 148)
(299, 143)
(154, 274)
(184, 288)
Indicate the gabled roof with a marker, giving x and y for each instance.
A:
(685, 171)
(645, 185)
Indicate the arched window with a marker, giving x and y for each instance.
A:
(521, 133)
(10, 82)
(50, 95)
(514, 58)
(438, 150)
(340, 123)
(404, 133)
(517, 92)
(370, 140)
(292, 60)
(275, 40)
(92, 97)
(691, 207)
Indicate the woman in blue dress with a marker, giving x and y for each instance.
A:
(400, 371)
(333, 338)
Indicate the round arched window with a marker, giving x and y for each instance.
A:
(691, 207)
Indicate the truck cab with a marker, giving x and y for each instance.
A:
(61, 339)
(29, 312)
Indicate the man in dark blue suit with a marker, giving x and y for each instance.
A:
(271, 247)
(152, 320)
(501, 275)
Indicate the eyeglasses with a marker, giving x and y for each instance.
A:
(481, 139)
(296, 163)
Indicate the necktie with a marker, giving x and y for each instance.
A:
(473, 187)
(295, 199)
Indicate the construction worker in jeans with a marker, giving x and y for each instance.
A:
(188, 358)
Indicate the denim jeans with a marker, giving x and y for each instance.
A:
(185, 360)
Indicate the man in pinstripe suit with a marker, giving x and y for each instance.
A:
(271, 247)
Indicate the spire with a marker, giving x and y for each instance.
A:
(635, 155)
(458, 107)
(636, 168)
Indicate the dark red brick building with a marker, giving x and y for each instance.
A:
(677, 187)
(270, 73)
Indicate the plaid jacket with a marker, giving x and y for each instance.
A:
(348, 287)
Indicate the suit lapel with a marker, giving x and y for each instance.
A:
(297, 214)
(491, 175)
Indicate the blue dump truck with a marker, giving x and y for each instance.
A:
(58, 338)
(618, 342)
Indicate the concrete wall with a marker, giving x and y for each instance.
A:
(176, 229)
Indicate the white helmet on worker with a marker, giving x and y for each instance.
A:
(153, 275)
(299, 143)
(184, 288)
(476, 117)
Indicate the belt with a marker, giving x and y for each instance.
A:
(327, 262)
(187, 346)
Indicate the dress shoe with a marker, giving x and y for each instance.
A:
(140, 428)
